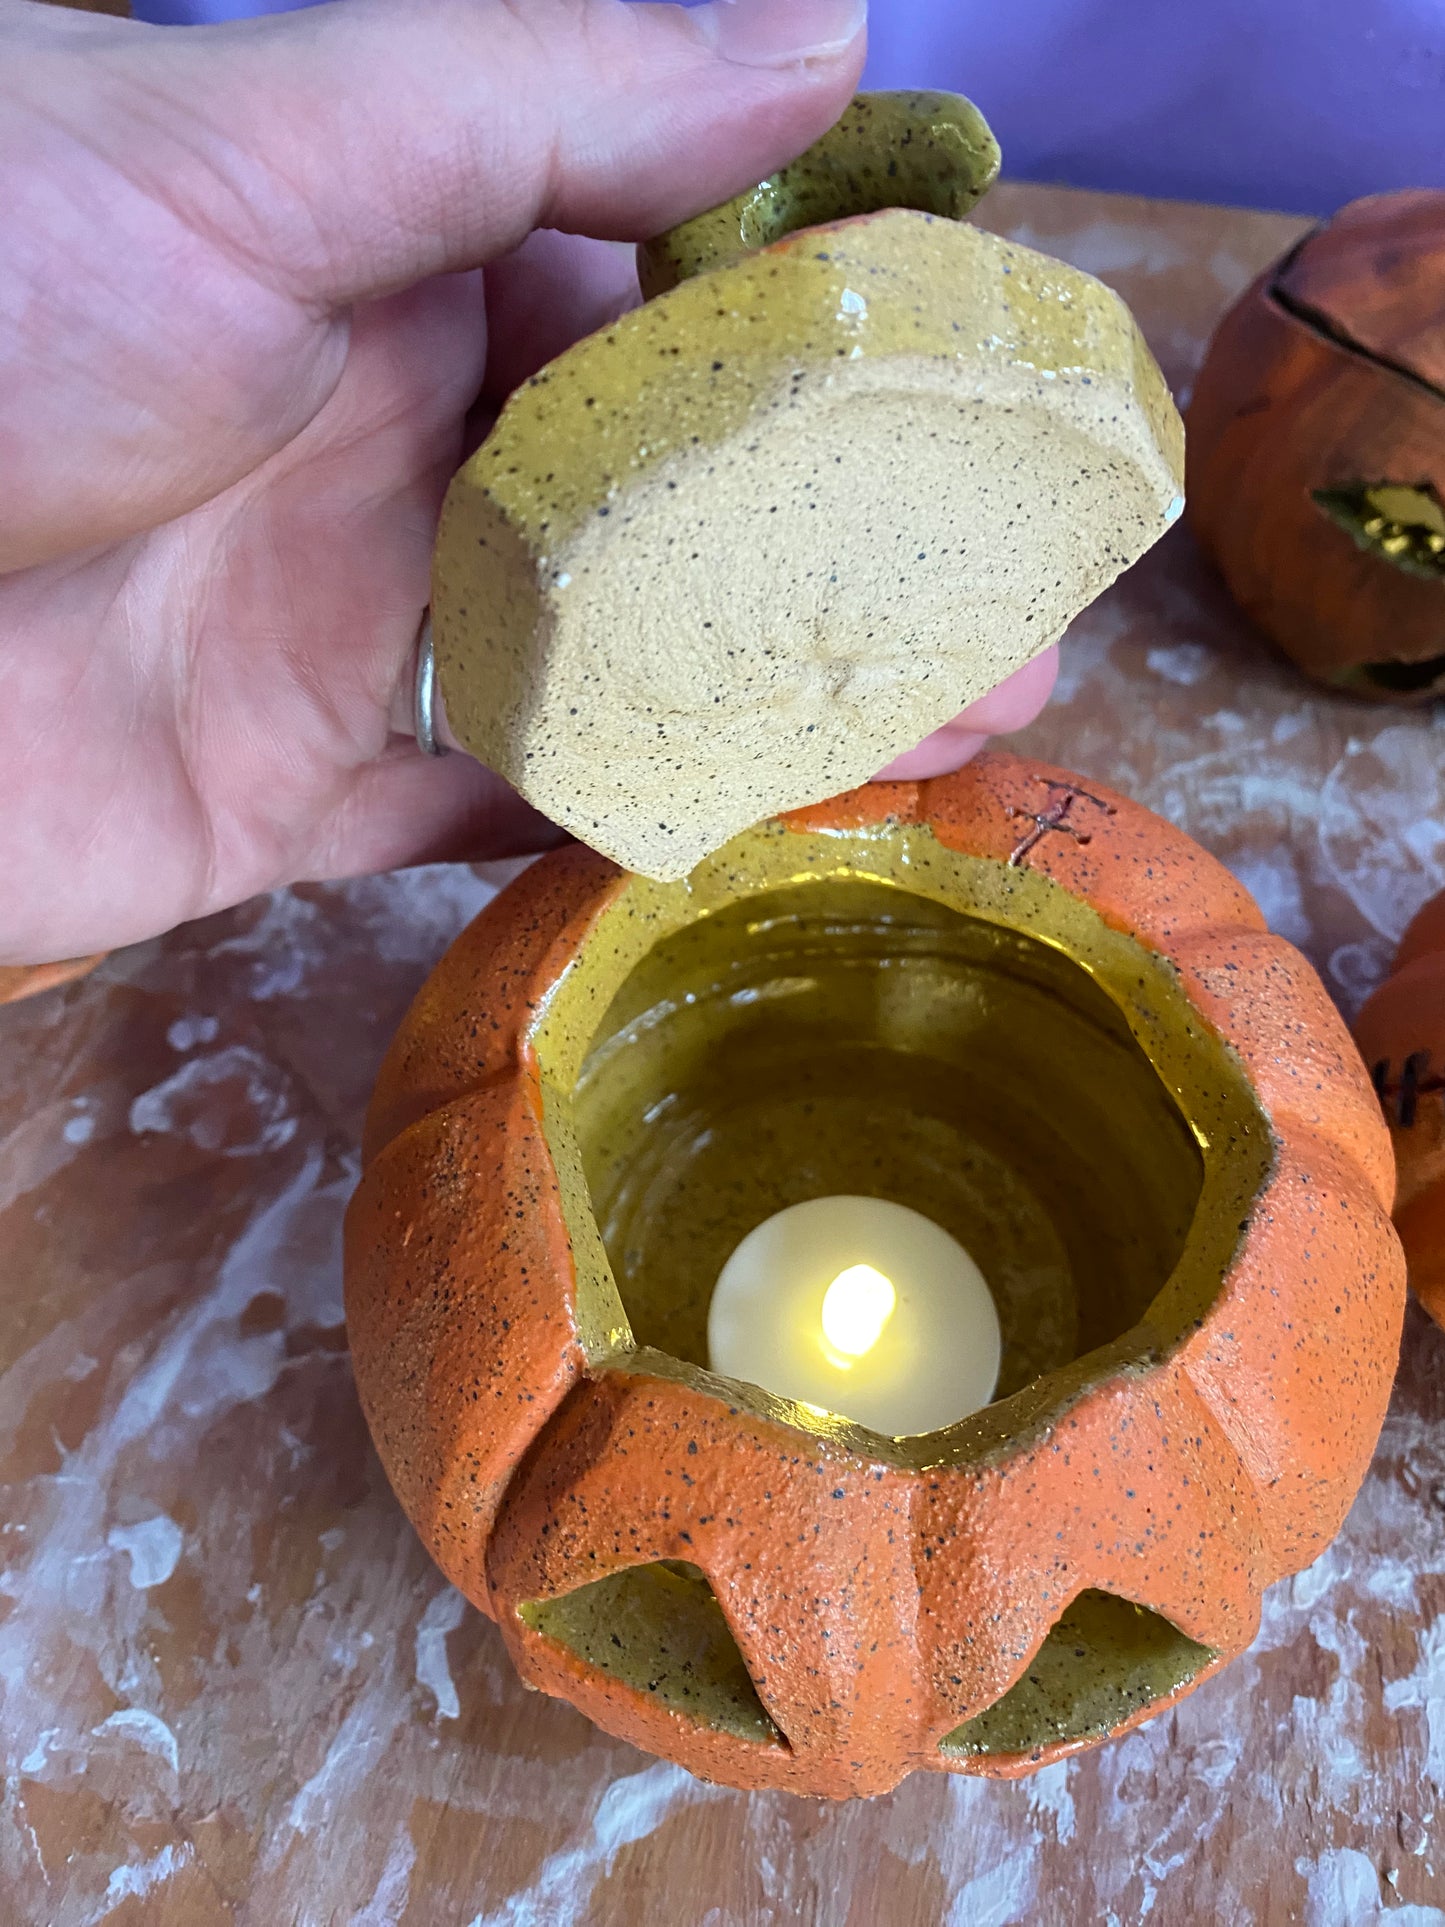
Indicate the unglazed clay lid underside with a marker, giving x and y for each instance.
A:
(735, 552)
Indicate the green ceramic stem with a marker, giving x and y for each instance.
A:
(929, 151)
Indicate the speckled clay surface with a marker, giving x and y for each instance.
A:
(984, 1599)
(1401, 1034)
(1327, 378)
(758, 537)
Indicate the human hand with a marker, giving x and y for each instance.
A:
(1013, 705)
(242, 334)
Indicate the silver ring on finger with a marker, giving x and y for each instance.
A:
(424, 694)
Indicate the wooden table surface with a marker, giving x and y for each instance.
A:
(234, 1688)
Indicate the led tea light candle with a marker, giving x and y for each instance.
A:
(859, 1307)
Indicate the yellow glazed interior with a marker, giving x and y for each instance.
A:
(820, 1013)
(852, 1040)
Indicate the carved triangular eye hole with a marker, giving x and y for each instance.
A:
(1103, 1660)
(660, 1629)
(1401, 523)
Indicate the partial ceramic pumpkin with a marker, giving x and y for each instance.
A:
(1317, 450)
(29, 980)
(1401, 1035)
(1007, 998)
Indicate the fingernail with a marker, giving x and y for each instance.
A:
(779, 33)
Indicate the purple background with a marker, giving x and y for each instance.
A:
(1292, 104)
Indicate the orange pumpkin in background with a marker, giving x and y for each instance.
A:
(1401, 1035)
(1316, 450)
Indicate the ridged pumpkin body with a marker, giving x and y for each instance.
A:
(769, 1595)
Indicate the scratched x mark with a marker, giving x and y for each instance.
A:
(1057, 817)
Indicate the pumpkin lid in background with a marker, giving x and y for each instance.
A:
(747, 544)
(1372, 278)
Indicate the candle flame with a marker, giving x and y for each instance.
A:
(856, 1307)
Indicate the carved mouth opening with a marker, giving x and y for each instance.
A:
(1406, 678)
(659, 1629)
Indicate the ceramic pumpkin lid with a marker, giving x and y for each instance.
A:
(853, 464)
(1370, 278)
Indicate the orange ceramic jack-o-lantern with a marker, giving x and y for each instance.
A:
(1401, 1034)
(1317, 450)
(1017, 1003)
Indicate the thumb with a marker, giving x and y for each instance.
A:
(373, 143)
(189, 214)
